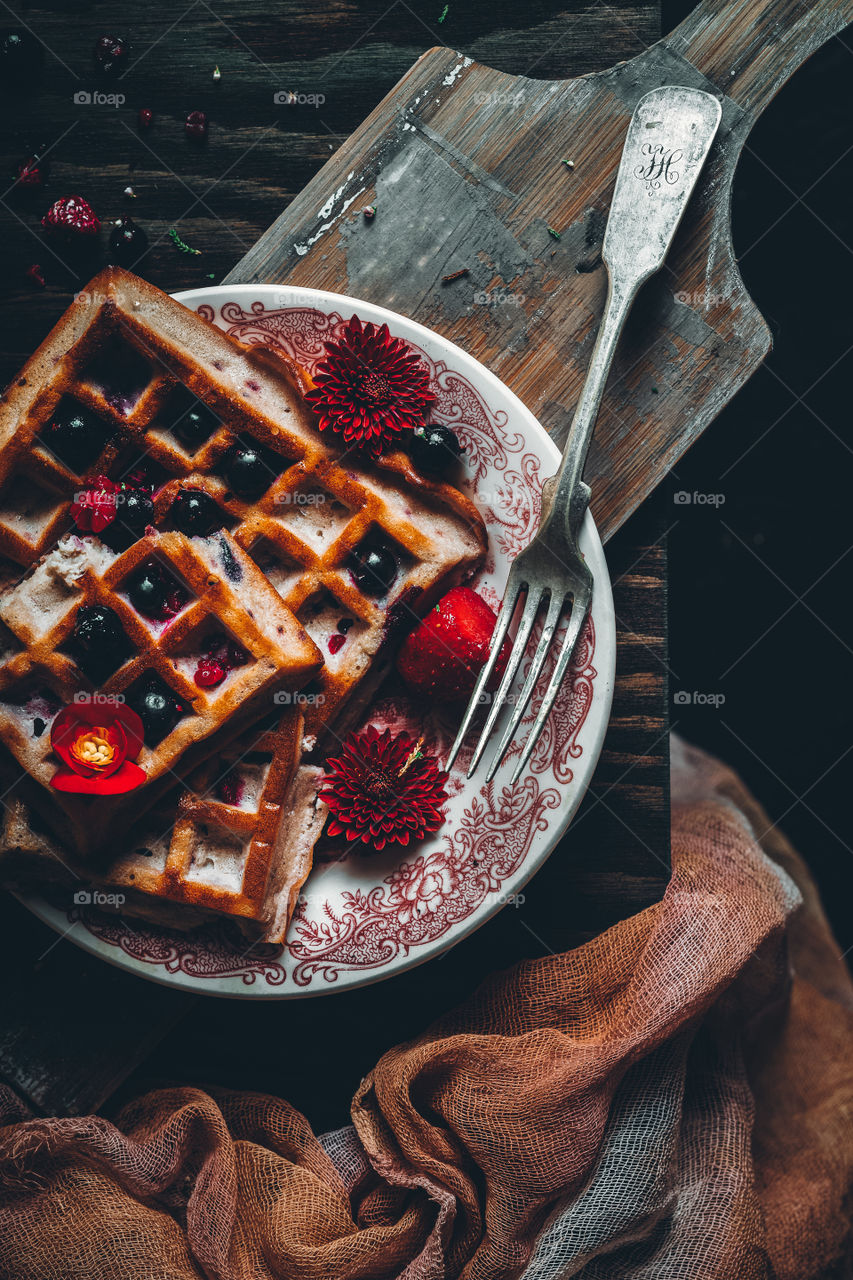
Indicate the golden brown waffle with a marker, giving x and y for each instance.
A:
(136, 359)
(241, 846)
(137, 362)
(224, 594)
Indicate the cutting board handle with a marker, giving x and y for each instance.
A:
(749, 48)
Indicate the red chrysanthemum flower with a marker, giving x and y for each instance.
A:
(370, 387)
(382, 790)
(94, 508)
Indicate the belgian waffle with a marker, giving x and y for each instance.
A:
(241, 846)
(135, 359)
(223, 592)
(137, 363)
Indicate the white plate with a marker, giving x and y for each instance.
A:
(368, 917)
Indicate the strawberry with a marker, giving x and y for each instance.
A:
(443, 656)
(73, 216)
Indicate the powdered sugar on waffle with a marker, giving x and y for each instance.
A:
(298, 539)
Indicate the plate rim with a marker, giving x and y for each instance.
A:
(287, 295)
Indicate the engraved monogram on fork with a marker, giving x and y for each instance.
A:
(658, 167)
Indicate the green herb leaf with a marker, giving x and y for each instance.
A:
(180, 245)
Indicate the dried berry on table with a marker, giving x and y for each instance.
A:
(195, 126)
(128, 242)
(111, 54)
(71, 216)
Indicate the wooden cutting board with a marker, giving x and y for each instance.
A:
(74, 1027)
(465, 166)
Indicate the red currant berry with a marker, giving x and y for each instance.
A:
(209, 673)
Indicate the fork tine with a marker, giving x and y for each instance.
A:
(525, 626)
(514, 588)
(580, 610)
(555, 608)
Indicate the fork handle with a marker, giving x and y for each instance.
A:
(668, 139)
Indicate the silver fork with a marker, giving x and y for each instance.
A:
(668, 139)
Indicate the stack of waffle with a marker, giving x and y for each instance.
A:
(261, 561)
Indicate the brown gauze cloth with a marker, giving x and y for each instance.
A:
(671, 1100)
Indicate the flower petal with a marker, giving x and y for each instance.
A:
(131, 724)
(127, 778)
(63, 733)
(122, 721)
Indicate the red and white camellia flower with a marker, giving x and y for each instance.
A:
(95, 740)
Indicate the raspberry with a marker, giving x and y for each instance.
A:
(176, 599)
(71, 216)
(230, 788)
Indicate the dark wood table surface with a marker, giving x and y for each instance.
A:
(76, 1034)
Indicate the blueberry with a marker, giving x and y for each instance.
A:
(233, 568)
(137, 511)
(194, 512)
(147, 593)
(247, 473)
(21, 58)
(374, 569)
(128, 243)
(196, 425)
(434, 450)
(99, 641)
(399, 620)
(158, 709)
(75, 436)
(134, 512)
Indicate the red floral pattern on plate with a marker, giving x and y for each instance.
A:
(451, 882)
